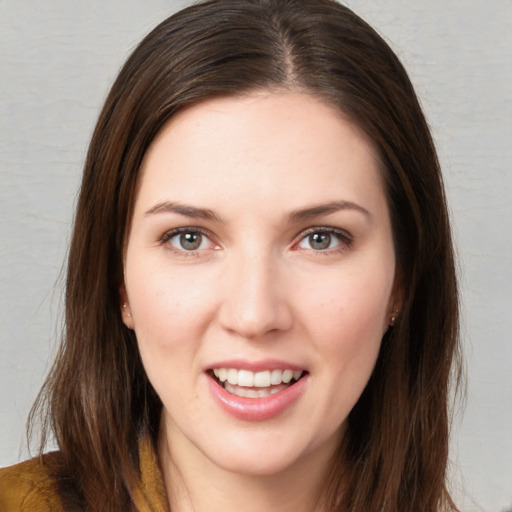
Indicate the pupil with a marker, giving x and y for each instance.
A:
(190, 241)
(320, 241)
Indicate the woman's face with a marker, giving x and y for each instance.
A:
(260, 250)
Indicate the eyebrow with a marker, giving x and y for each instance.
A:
(185, 210)
(294, 217)
(325, 209)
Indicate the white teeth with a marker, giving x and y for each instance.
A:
(253, 393)
(276, 377)
(262, 379)
(248, 379)
(287, 376)
(245, 378)
(233, 376)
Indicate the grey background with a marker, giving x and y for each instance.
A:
(57, 60)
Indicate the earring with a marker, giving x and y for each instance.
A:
(393, 317)
(127, 313)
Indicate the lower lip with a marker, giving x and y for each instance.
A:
(256, 409)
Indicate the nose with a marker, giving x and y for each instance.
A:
(255, 300)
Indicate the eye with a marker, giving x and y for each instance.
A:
(323, 239)
(187, 239)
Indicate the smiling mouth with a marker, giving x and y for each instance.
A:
(248, 384)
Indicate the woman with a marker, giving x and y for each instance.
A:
(261, 305)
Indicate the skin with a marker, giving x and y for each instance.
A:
(257, 287)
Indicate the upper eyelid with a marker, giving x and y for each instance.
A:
(342, 233)
(186, 229)
(324, 229)
(171, 233)
(345, 240)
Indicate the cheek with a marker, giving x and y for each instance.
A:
(348, 301)
(346, 317)
(169, 310)
(346, 329)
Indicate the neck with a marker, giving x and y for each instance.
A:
(196, 484)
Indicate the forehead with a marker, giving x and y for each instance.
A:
(269, 145)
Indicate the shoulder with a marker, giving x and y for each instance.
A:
(29, 487)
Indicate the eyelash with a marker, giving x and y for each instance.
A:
(344, 238)
(169, 235)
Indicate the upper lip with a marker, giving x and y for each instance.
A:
(256, 366)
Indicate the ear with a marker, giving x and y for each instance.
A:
(126, 312)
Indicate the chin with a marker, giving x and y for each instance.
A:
(273, 455)
(257, 464)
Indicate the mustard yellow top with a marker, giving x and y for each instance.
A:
(27, 487)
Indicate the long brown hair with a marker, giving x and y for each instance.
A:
(97, 398)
